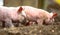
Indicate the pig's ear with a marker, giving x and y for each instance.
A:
(20, 10)
(54, 15)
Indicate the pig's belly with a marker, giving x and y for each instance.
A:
(31, 18)
(3, 16)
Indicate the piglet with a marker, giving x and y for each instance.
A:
(9, 14)
(38, 15)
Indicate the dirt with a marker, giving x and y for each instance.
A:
(32, 30)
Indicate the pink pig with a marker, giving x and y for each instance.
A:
(38, 15)
(7, 14)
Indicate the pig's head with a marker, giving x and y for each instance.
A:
(20, 16)
(51, 17)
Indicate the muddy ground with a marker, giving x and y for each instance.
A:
(32, 30)
(53, 29)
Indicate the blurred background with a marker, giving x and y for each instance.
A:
(43, 4)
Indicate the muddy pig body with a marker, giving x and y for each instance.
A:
(38, 15)
(7, 14)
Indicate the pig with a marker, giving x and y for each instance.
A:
(9, 14)
(38, 15)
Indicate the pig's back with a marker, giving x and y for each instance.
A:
(30, 10)
(8, 12)
(35, 12)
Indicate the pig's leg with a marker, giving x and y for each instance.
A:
(3, 24)
(8, 22)
(40, 21)
(31, 22)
